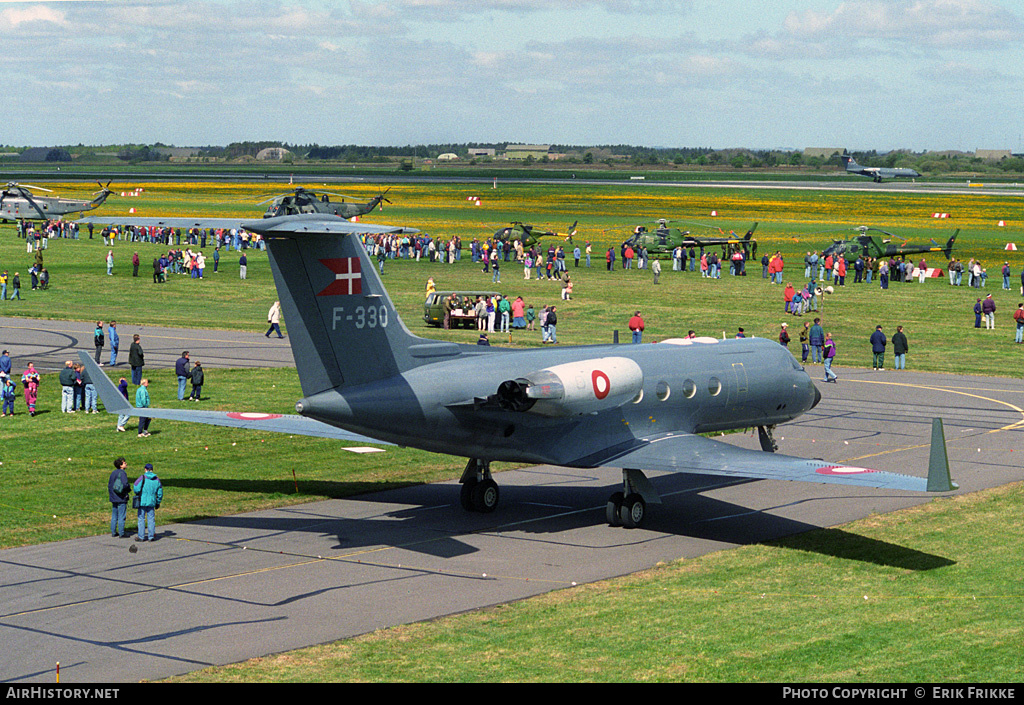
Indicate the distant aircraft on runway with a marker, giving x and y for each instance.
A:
(365, 377)
(877, 172)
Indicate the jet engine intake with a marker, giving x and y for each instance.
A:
(573, 388)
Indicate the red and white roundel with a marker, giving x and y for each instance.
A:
(602, 385)
(843, 470)
(247, 416)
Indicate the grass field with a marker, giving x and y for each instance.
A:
(938, 319)
(945, 606)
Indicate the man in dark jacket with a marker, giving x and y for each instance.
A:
(197, 381)
(899, 348)
(136, 359)
(878, 342)
(118, 488)
(184, 372)
(67, 387)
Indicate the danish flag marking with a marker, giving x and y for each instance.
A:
(348, 277)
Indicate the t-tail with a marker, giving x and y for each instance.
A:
(342, 325)
(849, 162)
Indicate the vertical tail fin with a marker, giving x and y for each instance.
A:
(342, 325)
(948, 249)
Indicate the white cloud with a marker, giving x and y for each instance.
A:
(12, 18)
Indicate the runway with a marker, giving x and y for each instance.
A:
(231, 588)
(827, 181)
(47, 344)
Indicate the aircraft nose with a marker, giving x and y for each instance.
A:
(817, 395)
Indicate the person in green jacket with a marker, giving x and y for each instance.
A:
(151, 493)
(142, 402)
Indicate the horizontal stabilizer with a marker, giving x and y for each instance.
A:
(294, 424)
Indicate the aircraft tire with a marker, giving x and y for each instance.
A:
(486, 496)
(466, 495)
(612, 509)
(632, 511)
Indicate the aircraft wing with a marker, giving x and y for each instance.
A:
(276, 423)
(681, 452)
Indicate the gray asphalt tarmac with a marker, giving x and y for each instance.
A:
(48, 344)
(235, 587)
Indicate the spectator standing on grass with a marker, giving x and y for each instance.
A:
(184, 372)
(899, 349)
(636, 325)
(988, 308)
(30, 383)
(118, 489)
(122, 419)
(878, 342)
(142, 402)
(197, 381)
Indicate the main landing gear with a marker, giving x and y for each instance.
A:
(629, 507)
(479, 491)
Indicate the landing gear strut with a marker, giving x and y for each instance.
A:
(765, 434)
(479, 492)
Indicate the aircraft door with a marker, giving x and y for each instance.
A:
(739, 385)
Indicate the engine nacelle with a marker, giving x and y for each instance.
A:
(574, 388)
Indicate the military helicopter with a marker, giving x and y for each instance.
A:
(865, 245)
(303, 200)
(528, 234)
(18, 203)
(663, 240)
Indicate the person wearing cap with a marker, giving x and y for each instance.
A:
(151, 493)
(988, 307)
(784, 335)
(5, 363)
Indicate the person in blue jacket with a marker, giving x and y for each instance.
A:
(151, 493)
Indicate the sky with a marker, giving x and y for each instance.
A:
(761, 74)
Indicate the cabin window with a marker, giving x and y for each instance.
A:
(689, 388)
(714, 386)
(662, 390)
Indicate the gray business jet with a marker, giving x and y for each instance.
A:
(877, 172)
(366, 378)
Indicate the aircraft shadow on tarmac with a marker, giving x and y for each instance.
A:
(431, 520)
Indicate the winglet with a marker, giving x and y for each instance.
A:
(938, 464)
(112, 400)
